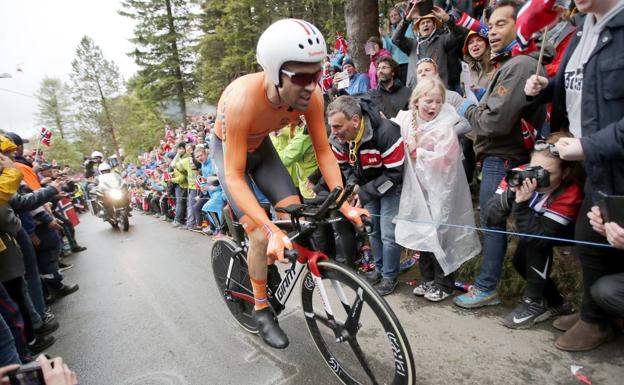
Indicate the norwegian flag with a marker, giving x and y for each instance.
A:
(326, 79)
(473, 24)
(533, 17)
(341, 44)
(67, 209)
(166, 176)
(46, 136)
(529, 134)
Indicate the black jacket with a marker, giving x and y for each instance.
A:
(390, 102)
(379, 164)
(21, 201)
(602, 113)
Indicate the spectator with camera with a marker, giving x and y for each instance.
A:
(588, 100)
(500, 122)
(543, 198)
(374, 48)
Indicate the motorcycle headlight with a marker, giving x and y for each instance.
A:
(115, 194)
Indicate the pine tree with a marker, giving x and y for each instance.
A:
(95, 82)
(54, 106)
(164, 50)
(232, 29)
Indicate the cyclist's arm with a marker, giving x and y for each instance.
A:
(236, 122)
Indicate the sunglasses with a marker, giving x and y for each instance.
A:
(542, 145)
(303, 80)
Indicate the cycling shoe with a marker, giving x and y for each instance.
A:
(269, 329)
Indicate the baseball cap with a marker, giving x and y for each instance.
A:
(16, 138)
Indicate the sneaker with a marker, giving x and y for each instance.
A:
(476, 298)
(65, 266)
(78, 249)
(386, 286)
(207, 231)
(436, 293)
(176, 224)
(526, 314)
(40, 343)
(61, 292)
(373, 277)
(47, 327)
(422, 288)
(565, 309)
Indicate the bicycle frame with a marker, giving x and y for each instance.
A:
(307, 258)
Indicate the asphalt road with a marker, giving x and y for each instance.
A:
(148, 313)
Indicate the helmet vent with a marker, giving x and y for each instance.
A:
(318, 41)
(301, 46)
(310, 41)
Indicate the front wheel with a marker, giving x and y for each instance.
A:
(358, 334)
(125, 222)
(235, 287)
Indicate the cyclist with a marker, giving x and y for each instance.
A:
(290, 52)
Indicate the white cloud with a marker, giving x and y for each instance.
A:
(41, 37)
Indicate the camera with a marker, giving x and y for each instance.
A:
(515, 177)
(29, 374)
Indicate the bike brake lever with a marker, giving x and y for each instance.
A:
(368, 225)
(292, 256)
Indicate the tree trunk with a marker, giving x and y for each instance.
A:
(362, 19)
(176, 62)
(109, 121)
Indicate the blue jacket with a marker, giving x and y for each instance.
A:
(358, 84)
(602, 113)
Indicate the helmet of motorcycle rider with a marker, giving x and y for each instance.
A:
(97, 154)
(289, 40)
(104, 168)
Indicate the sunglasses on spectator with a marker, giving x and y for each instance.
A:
(303, 80)
(542, 145)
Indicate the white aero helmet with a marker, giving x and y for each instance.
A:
(96, 154)
(289, 40)
(104, 167)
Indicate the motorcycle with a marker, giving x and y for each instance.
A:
(112, 201)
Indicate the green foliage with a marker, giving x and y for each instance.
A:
(54, 106)
(64, 151)
(232, 29)
(164, 48)
(95, 81)
(140, 126)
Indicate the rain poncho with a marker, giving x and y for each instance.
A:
(435, 190)
(10, 178)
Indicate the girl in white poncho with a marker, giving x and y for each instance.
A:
(435, 191)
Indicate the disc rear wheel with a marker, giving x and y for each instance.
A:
(237, 293)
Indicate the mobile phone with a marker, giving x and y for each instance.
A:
(29, 374)
(611, 208)
(425, 7)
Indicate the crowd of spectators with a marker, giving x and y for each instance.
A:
(452, 102)
(37, 223)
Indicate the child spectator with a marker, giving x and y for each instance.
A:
(435, 190)
(549, 210)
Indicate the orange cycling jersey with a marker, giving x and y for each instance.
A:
(245, 116)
